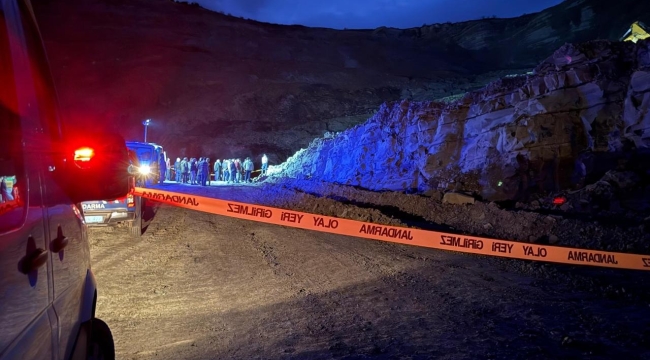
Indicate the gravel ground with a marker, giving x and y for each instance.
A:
(201, 286)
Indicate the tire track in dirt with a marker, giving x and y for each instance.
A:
(290, 256)
(124, 247)
(128, 273)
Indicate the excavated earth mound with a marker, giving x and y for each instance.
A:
(478, 219)
(582, 113)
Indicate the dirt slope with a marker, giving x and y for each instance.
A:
(223, 86)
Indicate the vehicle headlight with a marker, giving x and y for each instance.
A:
(144, 170)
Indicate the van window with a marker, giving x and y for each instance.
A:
(144, 154)
(12, 179)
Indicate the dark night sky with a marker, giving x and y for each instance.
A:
(355, 14)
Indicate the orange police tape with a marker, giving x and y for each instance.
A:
(409, 236)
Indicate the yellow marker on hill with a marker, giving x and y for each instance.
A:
(638, 31)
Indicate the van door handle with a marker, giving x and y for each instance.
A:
(32, 261)
(58, 244)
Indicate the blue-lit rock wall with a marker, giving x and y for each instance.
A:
(381, 154)
(516, 133)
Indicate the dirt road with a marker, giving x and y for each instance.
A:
(200, 286)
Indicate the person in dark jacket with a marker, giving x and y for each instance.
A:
(233, 170)
(205, 170)
(185, 170)
(193, 170)
(199, 171)
(217, 170)
(238, 167)
(162, 168)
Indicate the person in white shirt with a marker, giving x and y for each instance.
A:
(265, 164)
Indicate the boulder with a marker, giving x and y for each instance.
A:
(457, 199)
(434, 194)
(621, 179)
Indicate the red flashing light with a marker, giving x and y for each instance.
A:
(84, 154)
(559, 200)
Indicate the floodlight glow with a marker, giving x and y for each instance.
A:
(145, 170)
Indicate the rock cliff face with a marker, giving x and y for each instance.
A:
(221, 86)
(584, 107)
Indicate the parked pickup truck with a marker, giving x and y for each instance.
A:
(113, 212)
(126, 210)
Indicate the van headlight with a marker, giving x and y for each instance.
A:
(144, 170)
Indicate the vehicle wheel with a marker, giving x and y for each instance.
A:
(101, 345)
(135, 226)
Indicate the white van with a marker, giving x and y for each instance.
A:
(47, 290)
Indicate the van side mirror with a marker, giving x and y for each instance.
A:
(96, 167)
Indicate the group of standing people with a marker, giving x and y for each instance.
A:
(197, 172)
(236, 171)
(193, 171)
